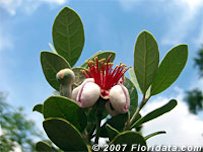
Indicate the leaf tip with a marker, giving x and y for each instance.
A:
(174, 101)
(38, 108)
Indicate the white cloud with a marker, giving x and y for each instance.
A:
(185, 15)
(12, 7)
(182, 127)
(28, 6)
(128, 5)
(5, 40)
(38, 119)
(199, 40)
(57, 2)
(196, 83)
(181, 17)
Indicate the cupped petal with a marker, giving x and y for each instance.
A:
(75, 92)
(77, 89)
(87, 93)
(119, 98)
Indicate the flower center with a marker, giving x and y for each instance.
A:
(104, 74)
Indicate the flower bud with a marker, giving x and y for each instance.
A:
(66, 78)
(87, 93)
(119, 98)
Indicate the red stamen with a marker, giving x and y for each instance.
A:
(85, 74)
(103, 73)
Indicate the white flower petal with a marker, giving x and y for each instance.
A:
(87, 93)
(119, 98)
(75, 92)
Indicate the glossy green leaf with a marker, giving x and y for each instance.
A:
(51, 65)
(133, 95)
(57, 106)
(130, 138)
(146, 60)
(38, 108)
(101, 55)
(44, 147)
(68, 35)
(64, 135)
(156, 113)
(112, 132)
(154, 134)
(170, 68)
(133, 78)
(137, 118)
(117, 122)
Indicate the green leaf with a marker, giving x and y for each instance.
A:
(91, 120)
(154, 134)
(133, 95)
(38, 108)
(51, 65)
(170, 68)
(64, 135)
(68, 35)
(101, 55)
(79, 76)
(146, 60)
(44, 147)
(117, 122)
(112, 132)
(137, 118)
(57, 106)
(130, 138)
(156, 113)
(133, 78)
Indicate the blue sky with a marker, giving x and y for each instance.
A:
(25, 30)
